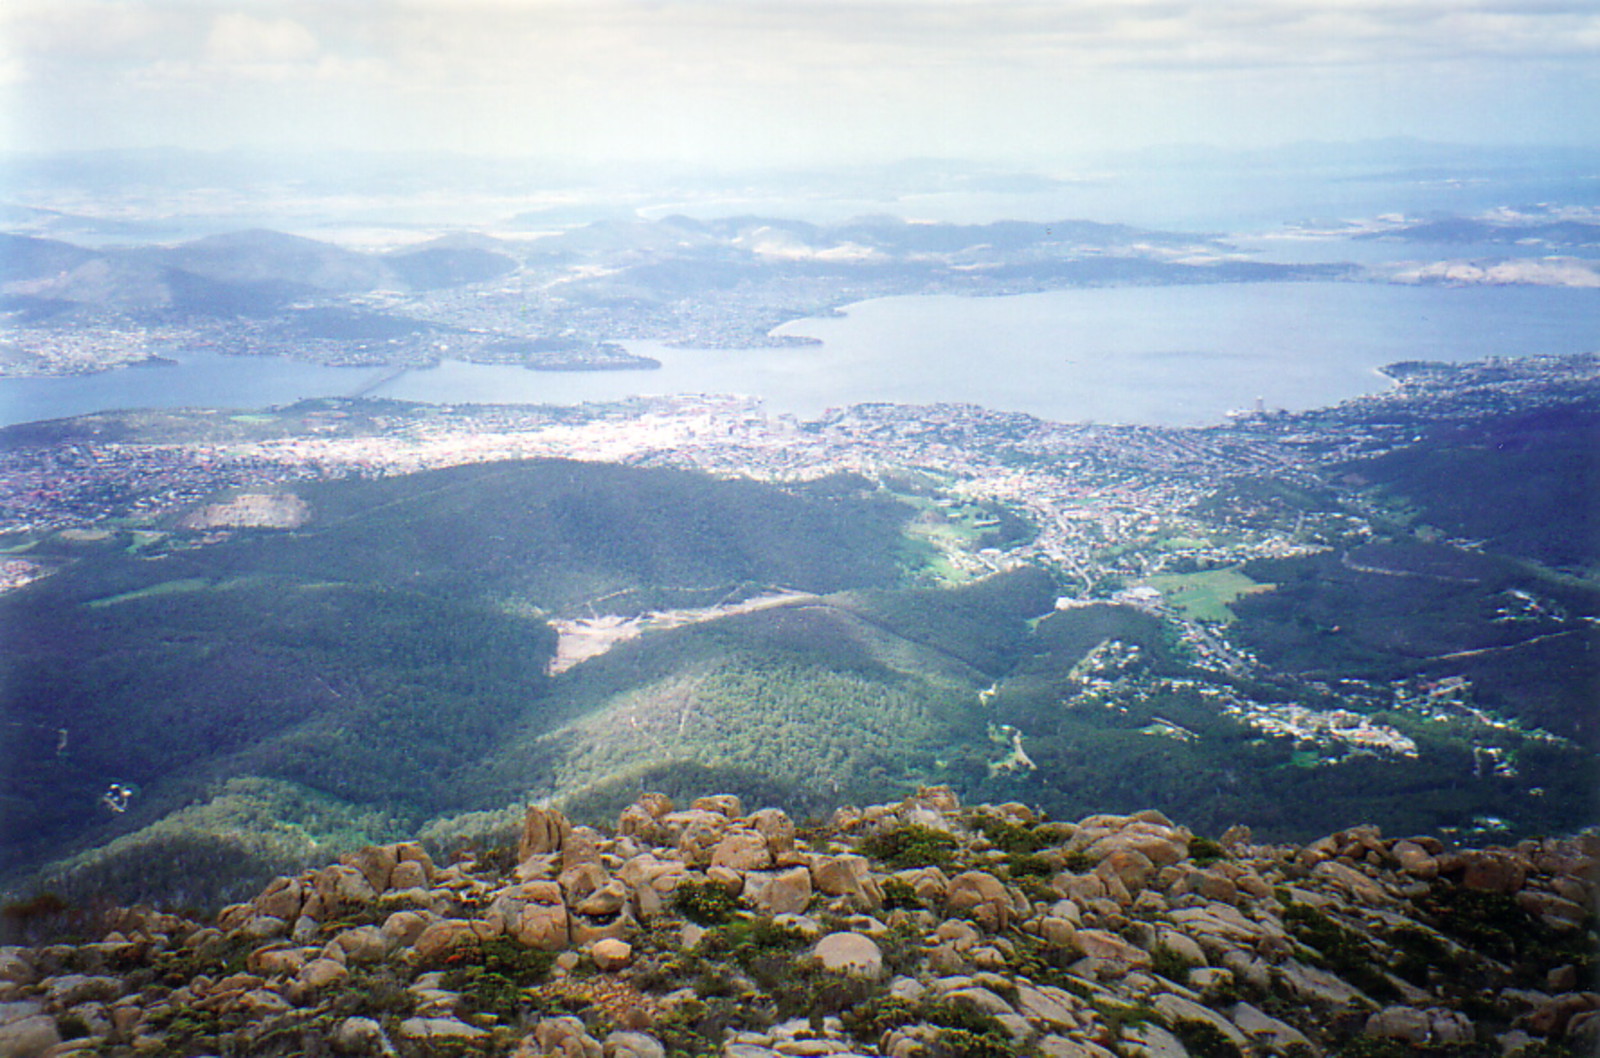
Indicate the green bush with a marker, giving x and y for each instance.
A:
(1341, 950)
(491, 975)
(907, 847)
(705, 903)
(950, 1015)
(898, 895)
(966, 1044)
(1030, 865)
(1080, 862)
(868, 1021)
(1168, 963)
(1204, 1040)
(760, 947)
(1010, 837)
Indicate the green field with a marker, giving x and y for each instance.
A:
(943, 528)
(1205, 596)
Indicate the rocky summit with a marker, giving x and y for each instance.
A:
(922, 928)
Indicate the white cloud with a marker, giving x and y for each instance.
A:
(679, 76)
(239, 39)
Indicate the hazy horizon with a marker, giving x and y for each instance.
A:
(734, 86)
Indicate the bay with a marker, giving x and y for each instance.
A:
(1177, 355)
(1180, 355)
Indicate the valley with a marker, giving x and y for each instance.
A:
(1284, 621)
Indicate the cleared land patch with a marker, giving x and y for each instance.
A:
(1205, 596)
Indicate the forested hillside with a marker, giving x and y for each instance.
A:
(382, 650)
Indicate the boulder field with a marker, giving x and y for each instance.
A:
(922, 928)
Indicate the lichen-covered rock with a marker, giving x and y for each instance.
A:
(632, 1045)
(742, 850)
(849, 953)
(779, 892)
(363, 944)
(1047, 1007)
(848, 875)
(340, 887)
(696, 833)
(1130, 867)
(439, 938)
(15, 965)
(1108, 954)
(375, 862)
(1057, 932)
(1492, 871)
(410, 874)
(27, 1035)
(402, 928)
(544, 830)
(610, 954)
(454, 950)
(1267, 1032)
(358, 1035)
(1147, 1040)
(438, 1030)
(1177, 1010)
(1318, 985)
(545, 927)
(563, 1037)
(69, 990)
(282, 898)
(273, 959)
(983, 896)
(776, 826)
(1401, 1023)
(322, 973)
(642, 819)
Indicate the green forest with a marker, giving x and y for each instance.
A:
(183, 719)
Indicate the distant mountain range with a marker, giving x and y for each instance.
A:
(716, 283)
(247, 273)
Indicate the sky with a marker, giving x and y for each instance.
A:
(757, 83)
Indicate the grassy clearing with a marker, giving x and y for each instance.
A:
(178, 587)
(1206, 596)
(144, 538)
(941, 530)
(166, 587)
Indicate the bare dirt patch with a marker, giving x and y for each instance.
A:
(251, 510)
(590, 637)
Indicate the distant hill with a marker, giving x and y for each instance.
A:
(1561, 233)
(437, 267)
(24, 257)
(726, 281)
(1542, 469)
(269, 256)
(250, 273)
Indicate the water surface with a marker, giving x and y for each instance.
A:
(1175, 355)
